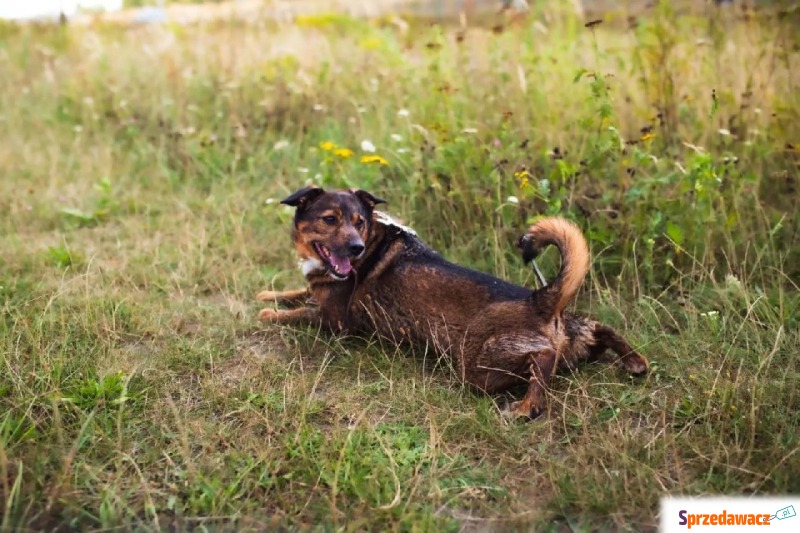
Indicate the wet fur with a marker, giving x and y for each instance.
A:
(497, 334)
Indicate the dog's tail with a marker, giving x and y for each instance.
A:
(571, 243)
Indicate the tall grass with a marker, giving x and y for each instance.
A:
(138, 217)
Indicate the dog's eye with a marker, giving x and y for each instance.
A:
(359, 223)
(330, 220)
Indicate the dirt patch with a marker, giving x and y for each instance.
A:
(252, 354)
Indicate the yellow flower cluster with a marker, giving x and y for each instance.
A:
(368, 159)
(523, 177)
(346, 153)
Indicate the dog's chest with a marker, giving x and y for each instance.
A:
(367, 311)
(333, 298)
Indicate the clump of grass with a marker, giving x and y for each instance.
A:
(141, 216)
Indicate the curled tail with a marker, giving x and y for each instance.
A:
(569, 240)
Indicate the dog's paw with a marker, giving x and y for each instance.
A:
(267, 296)
(268, 315)
(521, 410)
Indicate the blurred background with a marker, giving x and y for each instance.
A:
(437, 9)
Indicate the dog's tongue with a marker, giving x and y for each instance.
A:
(342, 264)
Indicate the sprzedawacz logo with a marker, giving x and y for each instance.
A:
(732, 519)
(722, 519)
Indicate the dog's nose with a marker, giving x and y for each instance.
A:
(356, 248)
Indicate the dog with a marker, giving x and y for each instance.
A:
(367, 274)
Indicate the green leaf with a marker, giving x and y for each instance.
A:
(79, 215)
(580, 74)
(675, 233)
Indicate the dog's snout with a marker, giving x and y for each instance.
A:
(356, 248)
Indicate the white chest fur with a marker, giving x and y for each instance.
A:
(307, 266)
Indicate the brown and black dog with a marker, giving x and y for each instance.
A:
(369, 274)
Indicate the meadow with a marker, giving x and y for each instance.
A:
(141, 169)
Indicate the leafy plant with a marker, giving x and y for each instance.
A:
(107, 392)
(104, 205)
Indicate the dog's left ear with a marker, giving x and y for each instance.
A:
(368, 199)
(303, 197)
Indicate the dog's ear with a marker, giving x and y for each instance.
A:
(303, 197)
(368, 199)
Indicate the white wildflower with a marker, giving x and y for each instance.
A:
(367, 146)
(732, 282)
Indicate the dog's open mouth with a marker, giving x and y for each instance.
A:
(339, 267)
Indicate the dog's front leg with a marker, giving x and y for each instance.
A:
(293, 298)
(301, 315)
(542, 365)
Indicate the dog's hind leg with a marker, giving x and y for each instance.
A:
(293, 298)
(631, 360)
(301, 315)
(588, 340)
(542, 366)
(505, 361)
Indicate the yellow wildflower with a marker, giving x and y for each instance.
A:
(372, 43)
(367, 159)
(344, 153)
(327, 146)
(523, 177)
(648, 137)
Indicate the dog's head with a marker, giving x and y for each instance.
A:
(331, 229)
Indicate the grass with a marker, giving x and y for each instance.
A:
(139, 217)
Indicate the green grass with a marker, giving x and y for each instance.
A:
(139, 217)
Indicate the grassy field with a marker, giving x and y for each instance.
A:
(141, 173)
